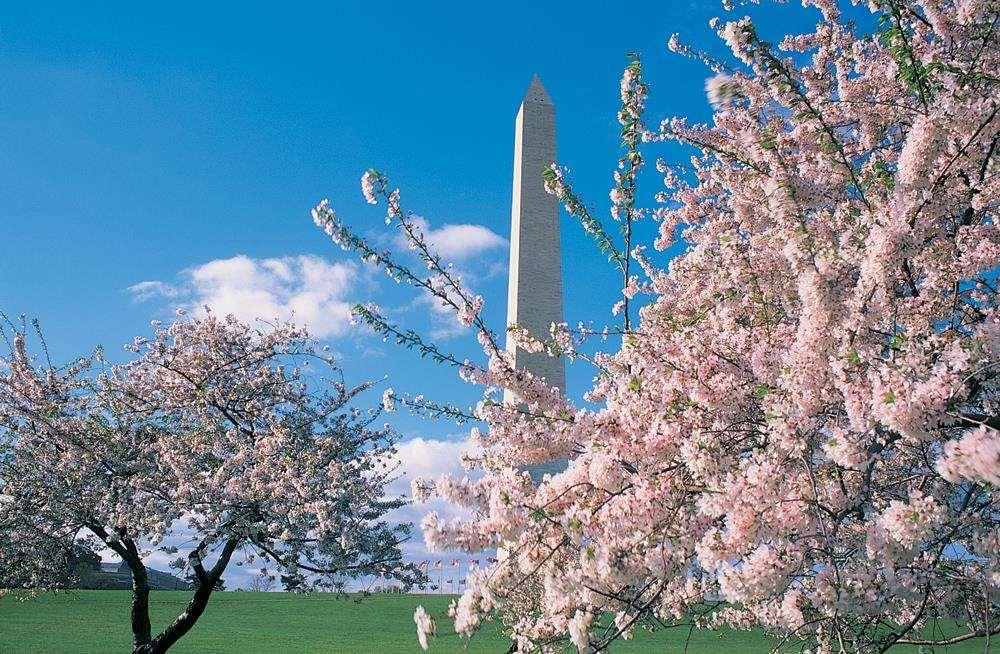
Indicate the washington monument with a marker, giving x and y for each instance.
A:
(534, 290)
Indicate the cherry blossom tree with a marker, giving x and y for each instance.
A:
(217, 441)
(797, 430)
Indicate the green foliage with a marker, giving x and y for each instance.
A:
(409, 339)
(914, 74)
(591, 225)
(884, 175)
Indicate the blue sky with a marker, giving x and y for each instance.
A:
(142, 142)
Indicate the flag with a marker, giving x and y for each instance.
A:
(490, 560)
(461, 582)
(454, 563)
(422, 565)
(437, 565)
(474, 562)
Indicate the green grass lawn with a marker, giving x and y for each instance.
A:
(92, 622)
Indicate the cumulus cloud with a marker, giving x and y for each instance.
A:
(427, 457)
(475, 249)
(306, 289)
(443, 323)
(458, 242)
(430, 458)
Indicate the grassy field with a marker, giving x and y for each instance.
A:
(96, 622)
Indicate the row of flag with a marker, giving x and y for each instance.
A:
(439, 564)
(441, 584)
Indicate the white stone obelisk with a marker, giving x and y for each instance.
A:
(534, 290)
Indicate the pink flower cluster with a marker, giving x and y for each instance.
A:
(974, 457)
(799, 432)
(214, 430)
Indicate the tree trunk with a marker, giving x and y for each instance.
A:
(183, 623)
(141, 629)
(127, 549)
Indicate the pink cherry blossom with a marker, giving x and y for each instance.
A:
(797, 431)
(212, 431)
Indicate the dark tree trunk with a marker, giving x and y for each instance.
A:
(141, 629)
(183, 623)
(127, 549)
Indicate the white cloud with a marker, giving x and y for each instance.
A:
(147, 290)
(444, 324)
(430, 458)
(472, 253)
(305, 288)
(457, 242)
(425, 457)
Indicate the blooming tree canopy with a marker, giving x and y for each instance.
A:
(799, 432)
(217, 434)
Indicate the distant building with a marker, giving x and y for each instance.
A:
(117, 576)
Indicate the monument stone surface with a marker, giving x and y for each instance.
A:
(534, 290)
